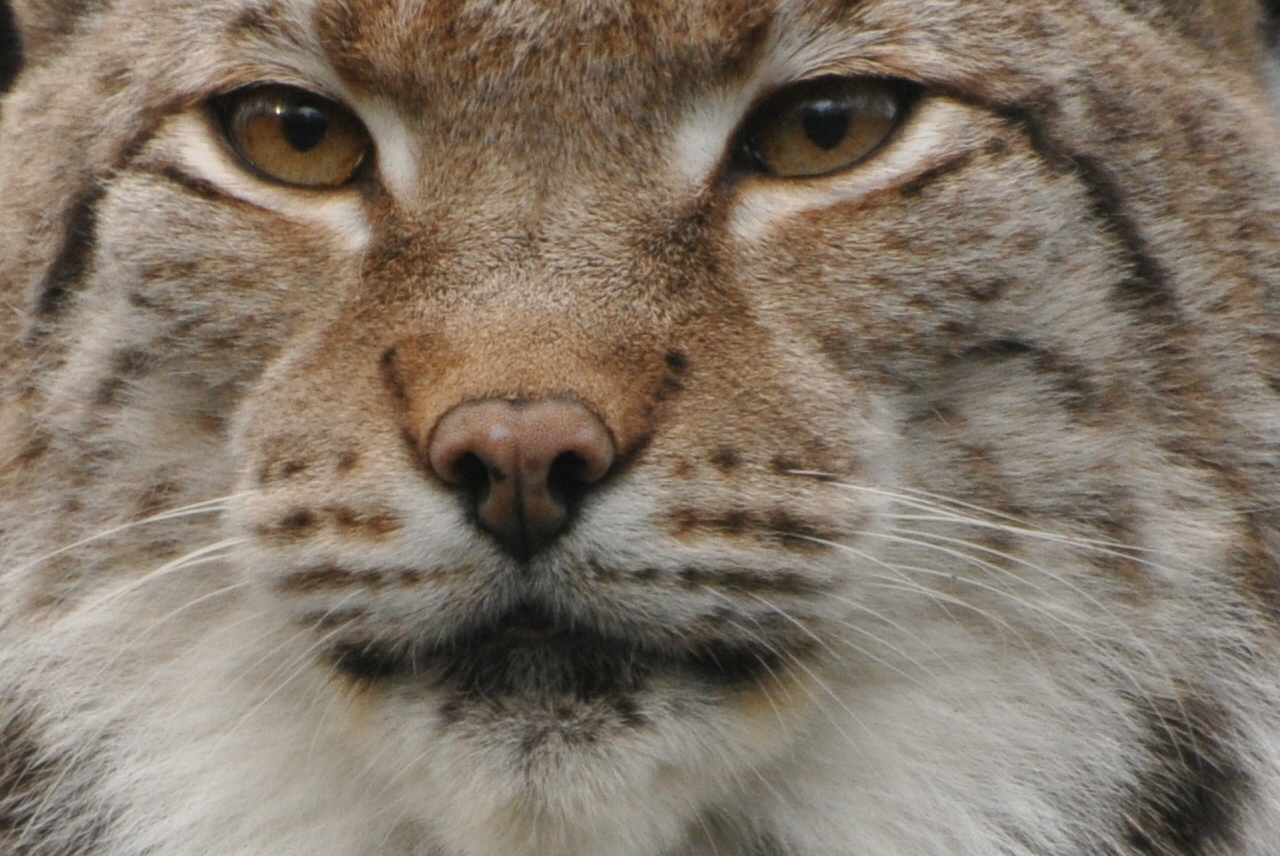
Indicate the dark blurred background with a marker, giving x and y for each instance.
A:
(10, 53)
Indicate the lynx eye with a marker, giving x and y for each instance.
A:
(293, 136)
(822, 125)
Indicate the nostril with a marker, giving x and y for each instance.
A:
(470, 473)
(471, 444)
(524, 466)
(568, 477)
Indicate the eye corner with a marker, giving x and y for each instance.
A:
(293, 136)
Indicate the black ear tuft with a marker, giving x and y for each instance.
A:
(10, 49)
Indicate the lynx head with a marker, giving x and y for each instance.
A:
(626, 403)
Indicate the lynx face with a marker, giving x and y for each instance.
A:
(677, 427)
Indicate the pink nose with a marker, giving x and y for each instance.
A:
(525, 464)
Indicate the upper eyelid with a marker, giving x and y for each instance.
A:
(219, 106)
(312, 92)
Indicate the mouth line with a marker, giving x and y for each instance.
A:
(529, 651)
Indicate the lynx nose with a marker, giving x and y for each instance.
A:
(524, 464)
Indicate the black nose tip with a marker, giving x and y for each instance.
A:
(524, 465)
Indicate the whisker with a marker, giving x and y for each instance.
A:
(804, 628)
(799, 663)
(1072, 626)
(968, 559)
(301, 661)
(1117, 622)
(1088, 598)
(334, 698)
(902, 581)
(196, 557)
(207, 506)
(175, 612)
(90, 739)
(945, 508)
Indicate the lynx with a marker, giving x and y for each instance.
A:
(639, 428)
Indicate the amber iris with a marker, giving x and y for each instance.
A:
(821, 126)
(293, 136)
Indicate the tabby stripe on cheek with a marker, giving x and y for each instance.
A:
(1147, 288)
(10, 49)
(79, 240)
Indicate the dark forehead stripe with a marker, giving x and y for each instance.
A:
(71, 263)
(10, 49)
(1144, 289)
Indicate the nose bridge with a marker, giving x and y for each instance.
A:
(524, 299)
(528, 332)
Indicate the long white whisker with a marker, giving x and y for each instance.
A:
(804, 628)
(181, 563)
(1092, 544)
(91, 739)
(1119, 623)
(207, 506)
(299, 663)
(151, 628)
(799, 663)
(1070, 626)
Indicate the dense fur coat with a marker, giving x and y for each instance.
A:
(925, 506)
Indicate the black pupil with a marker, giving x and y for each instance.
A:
(825, 123)
(303, 126)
